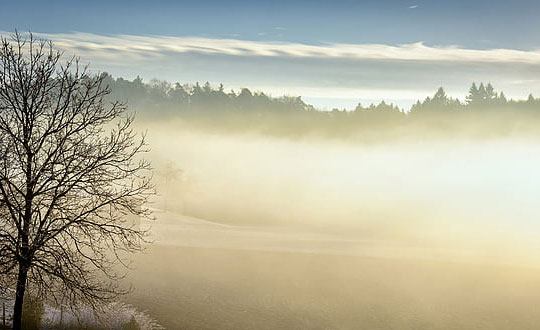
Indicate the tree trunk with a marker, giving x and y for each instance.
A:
(19, 297)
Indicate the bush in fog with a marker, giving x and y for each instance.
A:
(117, 316)
(131, 325)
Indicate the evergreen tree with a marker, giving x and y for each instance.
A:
(440, 99)
(473, 96)
(482, 94)
(490, 93)
(502, 98)
(207, 88)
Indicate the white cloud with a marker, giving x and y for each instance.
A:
(122, 45)
(413, 6)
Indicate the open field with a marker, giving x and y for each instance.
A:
(215, 285)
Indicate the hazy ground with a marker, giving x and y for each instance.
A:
(265, 233)
(228, 277)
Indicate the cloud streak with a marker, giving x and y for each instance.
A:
(158, 45)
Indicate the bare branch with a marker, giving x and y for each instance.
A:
(70, 172)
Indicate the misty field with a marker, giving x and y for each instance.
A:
(228, 288)
(262, 233)
(270, 165)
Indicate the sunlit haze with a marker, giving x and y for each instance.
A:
(270, 165)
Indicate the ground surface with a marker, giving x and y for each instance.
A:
(217, 277)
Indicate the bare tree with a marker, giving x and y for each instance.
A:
(70, 169)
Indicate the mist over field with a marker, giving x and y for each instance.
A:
(452, 194)
(282, 216)
(270, 165)
(315, 232)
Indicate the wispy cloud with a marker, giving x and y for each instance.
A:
(158, 45)
(413, 6)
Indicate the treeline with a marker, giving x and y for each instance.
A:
(480, 98)
(178, 97)
(484, 112)
(185, 98)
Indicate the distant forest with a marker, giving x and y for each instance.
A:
(483, 109)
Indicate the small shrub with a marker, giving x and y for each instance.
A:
(131, 325)
(114, 316)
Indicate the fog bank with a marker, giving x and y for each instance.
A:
(467, 198)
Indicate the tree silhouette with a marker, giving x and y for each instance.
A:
(490, 93)
(474, 94)
(440, 102)
(208, 105)
(69, 173)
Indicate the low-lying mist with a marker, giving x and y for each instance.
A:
(459, 199)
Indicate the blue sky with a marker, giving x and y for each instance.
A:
(465, 25)
(471, 24)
